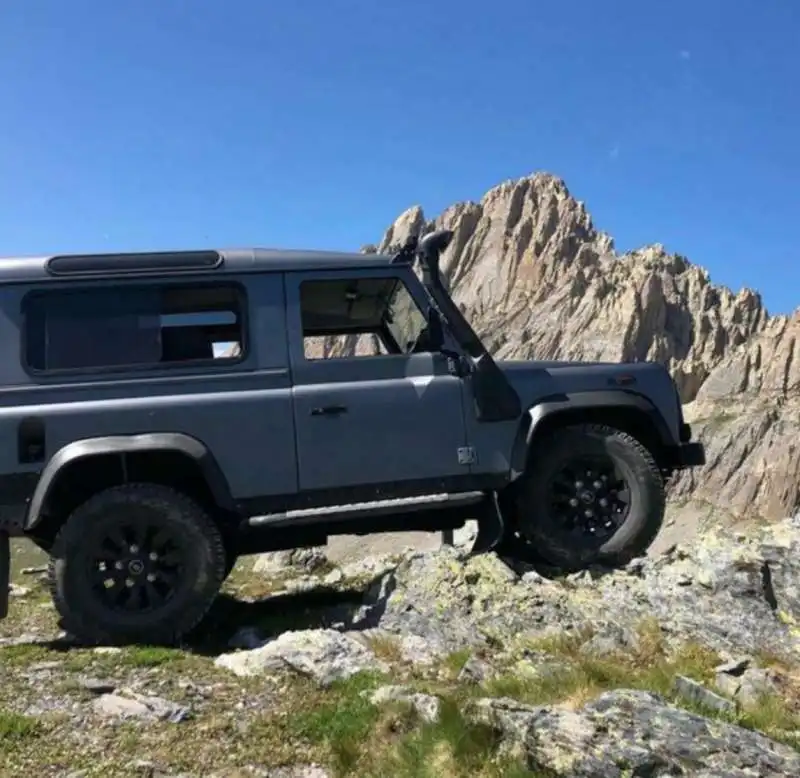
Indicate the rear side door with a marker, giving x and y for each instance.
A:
(367, 417)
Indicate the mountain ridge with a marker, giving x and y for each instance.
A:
(417, 213)
(538, 280)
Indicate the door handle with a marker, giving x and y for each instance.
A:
(329, 410)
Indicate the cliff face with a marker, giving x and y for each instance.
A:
(537, 280)
(747, 412)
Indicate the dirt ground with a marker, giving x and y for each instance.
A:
(347, 548)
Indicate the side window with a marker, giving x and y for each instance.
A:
(360, 317)
(133, 326)
(332, 346)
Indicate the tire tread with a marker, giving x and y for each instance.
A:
(188, 512)
(575, 558)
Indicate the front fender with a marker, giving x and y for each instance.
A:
(129, 444)
(577, 404)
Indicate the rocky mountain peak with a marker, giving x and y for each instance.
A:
(538, 280)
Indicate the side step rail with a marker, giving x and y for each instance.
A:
(362, 510)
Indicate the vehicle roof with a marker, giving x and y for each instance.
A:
(73, 267)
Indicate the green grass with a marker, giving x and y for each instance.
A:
(342, 723)
(15, 727)
(150, 656)
(25, 654)
(356, 738)
(18, 732)
(455, 661)
(579, 676)
(454, 739)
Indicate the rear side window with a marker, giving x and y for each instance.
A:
(133, 326)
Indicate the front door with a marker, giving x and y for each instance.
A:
(367, 410)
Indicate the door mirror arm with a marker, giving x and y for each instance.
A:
(457, 364)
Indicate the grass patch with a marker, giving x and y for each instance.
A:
(23, 654)
(386, 647)
(773, 716)
(579, 676)
(455, 661)
(341, 728)
(649, 666)
(452, 747)
(15, 727)
(560, 644)
(150, 656)
(341, 723)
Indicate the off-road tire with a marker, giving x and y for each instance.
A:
(230, 542)
(232, 559)
(83, 615)
(535, 527)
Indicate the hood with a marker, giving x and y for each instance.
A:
(512, 365)
(534, 379)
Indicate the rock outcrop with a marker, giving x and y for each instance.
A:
(582, 676)
(733, 592)
(686, 663)
(748, 415)
(539, 281)
(631, 733)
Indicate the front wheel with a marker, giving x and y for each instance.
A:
(591, 494)
(136, 563)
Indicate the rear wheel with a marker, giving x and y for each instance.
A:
(231, 543)
(136, 563)
(230, 564)
(592, 494)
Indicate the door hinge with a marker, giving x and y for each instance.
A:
(467, 456)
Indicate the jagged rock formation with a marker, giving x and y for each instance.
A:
(748, 414)
(539, 281)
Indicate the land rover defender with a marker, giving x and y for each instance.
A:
(162, 414)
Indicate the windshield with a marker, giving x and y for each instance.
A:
(404, 319)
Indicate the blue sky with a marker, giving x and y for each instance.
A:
(191, 123)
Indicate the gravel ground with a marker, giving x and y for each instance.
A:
(349, 548)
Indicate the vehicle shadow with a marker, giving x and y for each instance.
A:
(267, 617)
(323, 607)
(272, 615)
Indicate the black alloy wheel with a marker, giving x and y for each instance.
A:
(136, 563)
(591, 495)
